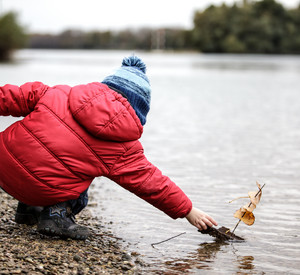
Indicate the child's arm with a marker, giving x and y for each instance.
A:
(136, 174)
(20, 101)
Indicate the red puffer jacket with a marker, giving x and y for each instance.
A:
(68, 137)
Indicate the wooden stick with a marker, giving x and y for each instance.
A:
(153, 244)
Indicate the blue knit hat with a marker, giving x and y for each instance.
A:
(131, 81)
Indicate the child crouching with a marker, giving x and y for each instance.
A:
(69, 136)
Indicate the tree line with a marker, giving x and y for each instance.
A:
(12, 35)
(144, 39)
(247, 26)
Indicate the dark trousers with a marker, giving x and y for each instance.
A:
(80, 203)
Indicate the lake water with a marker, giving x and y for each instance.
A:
(217, 124)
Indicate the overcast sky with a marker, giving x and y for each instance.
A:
(58, 15)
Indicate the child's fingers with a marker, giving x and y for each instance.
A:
(204, 226)
(201, 225)
(207, 222)
(212, 220)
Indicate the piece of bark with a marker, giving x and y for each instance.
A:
(221, 234)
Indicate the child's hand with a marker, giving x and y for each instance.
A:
(200, 219)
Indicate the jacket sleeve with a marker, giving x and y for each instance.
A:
(20, 101)
(136, 174)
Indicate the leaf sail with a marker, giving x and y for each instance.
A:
(245, 213)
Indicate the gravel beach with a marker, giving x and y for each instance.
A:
(24, 251)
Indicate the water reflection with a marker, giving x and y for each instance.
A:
(205, 258)
(245, 263)
(201, 259)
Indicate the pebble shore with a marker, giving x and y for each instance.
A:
(24, 251)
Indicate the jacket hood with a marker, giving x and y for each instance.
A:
(104, 113)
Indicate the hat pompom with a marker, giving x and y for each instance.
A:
(134, 61)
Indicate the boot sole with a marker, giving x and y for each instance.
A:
(51, 230)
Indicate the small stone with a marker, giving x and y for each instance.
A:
(125, 267)
(40, 267)
(16, 271)
(29, 260)
(126, 257)
(77, 258)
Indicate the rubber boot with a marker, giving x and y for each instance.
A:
(58, 220)
(27, 214)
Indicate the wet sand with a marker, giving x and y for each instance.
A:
(24, 251)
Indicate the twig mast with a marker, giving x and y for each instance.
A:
(259, 191)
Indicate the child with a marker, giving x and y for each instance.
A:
(69, 136)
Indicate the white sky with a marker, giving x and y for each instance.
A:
(57, 15)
